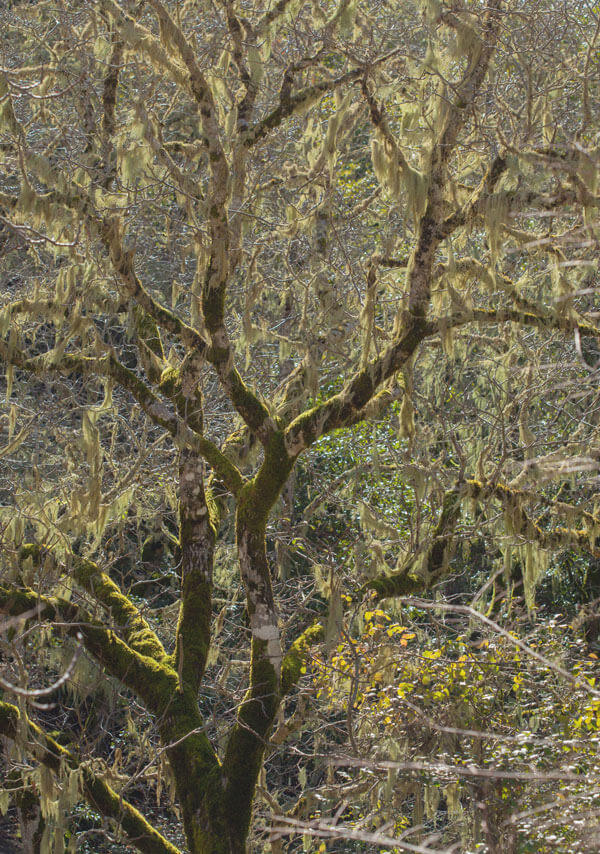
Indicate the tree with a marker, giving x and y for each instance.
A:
(356, 214)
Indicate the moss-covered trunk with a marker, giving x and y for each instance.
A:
(216, 797)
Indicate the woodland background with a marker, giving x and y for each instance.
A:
(299, 452)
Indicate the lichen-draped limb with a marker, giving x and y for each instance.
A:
(518, 201)
(110, 231)
(379, 121)
(143, 40)
(349, 405)
(108, 124)
(452, 114)
(103, 366)
(538, 319)
(197, 539)
(126, 617)
(217, 272)
(527, 312)
(254, 412)
(291, 103)
(455, 108)
(479, 198)
(155, 409)
(46, 309)
(195, 82)
(526, 529)
(187, 184)
(100, 796)
(218, 269)
(182, 386)
(149, 344)
(242, 37)
(421, 572)
(153, 681)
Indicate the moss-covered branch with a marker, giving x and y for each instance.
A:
(155, 409)
(250, 407)
(426, 569)
(429, 567)
(349, 405)
(100, 796)
(134, 629)
(525, 529)
(248, 739)
(153, 681)
(217, 272)
(479, 198)
(254, 412)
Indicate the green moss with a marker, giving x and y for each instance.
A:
(88, 575)
(136, 630)
(107, 802)
(193, 630)
(153, 681)
(295, 658)
(398, 584)
(128, 380)
(170, 382)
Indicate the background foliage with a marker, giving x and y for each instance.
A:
(338, 262)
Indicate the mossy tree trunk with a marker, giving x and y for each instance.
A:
(216, 792)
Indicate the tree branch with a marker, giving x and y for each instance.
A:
(153, 681)
(425, 569)
(348, 406)
(154, 408)
(422, 571)
(136, 631)
(100, 796)
(299, 101)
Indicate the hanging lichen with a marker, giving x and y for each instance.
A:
(496, 215)
(534, 563)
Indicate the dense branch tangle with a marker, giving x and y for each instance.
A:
(187, 244)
